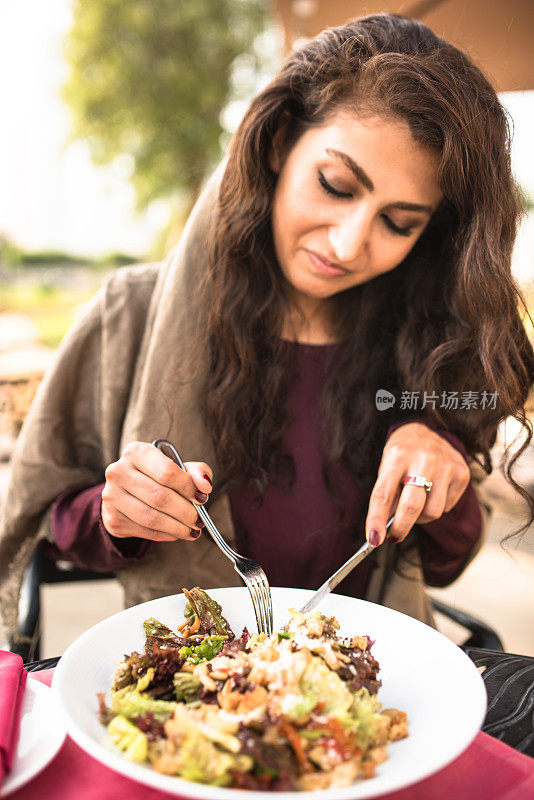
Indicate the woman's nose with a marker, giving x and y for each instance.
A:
(349, 235)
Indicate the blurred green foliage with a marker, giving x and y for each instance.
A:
(52, 309)
(528, 200)
(14, 256)
(148, 80)
(115, 259)
(10, 253)
(46, 258)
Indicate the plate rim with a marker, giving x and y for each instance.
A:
(178, 786)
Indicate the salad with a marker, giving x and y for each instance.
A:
(297, 710)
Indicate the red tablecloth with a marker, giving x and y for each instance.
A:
(487, 770)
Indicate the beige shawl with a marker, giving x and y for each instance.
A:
(107, 388)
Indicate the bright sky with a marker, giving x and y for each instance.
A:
(52, 196)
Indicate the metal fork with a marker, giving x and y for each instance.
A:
(252, 574)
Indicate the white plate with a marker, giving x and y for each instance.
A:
(42, 732)
(422, 673)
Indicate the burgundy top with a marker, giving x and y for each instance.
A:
(294, 536)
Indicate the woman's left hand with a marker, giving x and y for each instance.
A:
(414, 449)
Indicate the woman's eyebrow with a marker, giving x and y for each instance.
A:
(412, 207)
(366, 181)
(355, 168)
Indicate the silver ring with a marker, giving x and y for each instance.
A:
(418, 480)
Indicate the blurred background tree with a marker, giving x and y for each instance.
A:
(148, 82)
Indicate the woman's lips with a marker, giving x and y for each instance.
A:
(325, 267)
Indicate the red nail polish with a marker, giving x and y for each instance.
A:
(394, 540)
(199, 523)
(374, 537)
(200, 497)
(207, 478)
(195, 534)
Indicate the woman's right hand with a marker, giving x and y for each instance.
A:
(149, 496)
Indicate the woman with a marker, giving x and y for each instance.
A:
(356, 242)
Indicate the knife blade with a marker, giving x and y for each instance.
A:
(329, 585)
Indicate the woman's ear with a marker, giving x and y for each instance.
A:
(278, 149)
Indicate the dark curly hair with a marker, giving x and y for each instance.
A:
(448, 317)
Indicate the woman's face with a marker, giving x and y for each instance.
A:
(351, 199)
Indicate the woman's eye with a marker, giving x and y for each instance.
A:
(330, 189)
(395, 228)
(387, 220)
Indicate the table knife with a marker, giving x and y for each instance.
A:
(329, 585)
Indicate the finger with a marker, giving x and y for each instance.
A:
(151, 493)
(411, 504)
(156, 465)
(383, 502)
(144, 515)
(457, 486)
(435, 500)
(202, 477)
(120, 527)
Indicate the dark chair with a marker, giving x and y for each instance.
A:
(482, 636)
(509, 681)
(45, 569)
